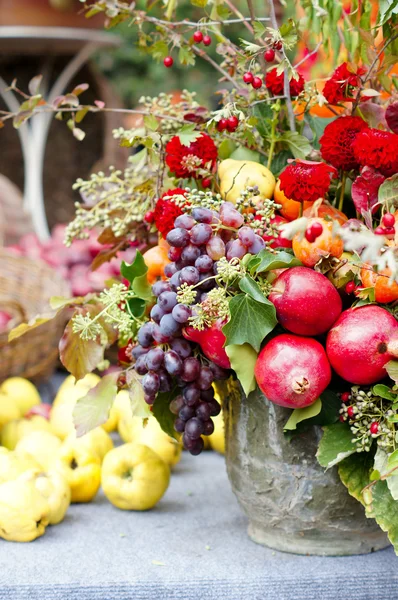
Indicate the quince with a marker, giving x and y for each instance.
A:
(81, 468)
(22, 392)
(217, 438)
(24, 512)
(55, 489)
(134, 477)
(96, 441)
(15, 430)
(41, 445)
(236, 175)
(9, 410)
(13, 464)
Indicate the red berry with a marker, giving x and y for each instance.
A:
(207, 40)
(257, 83)
(168, 61)
(198, 37)
(345, 396)
(389, 232)
(248, 77)
(233, 123)
(374, 428)
(350, 411)
(350, 287)
(222, 124)
(388, 220)
(278, 45)
(342, 418)
(269, 55)
(309, 236)
(206, 182)
(316, 229)
(149, 216)
(379, 230)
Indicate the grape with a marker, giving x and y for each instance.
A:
(190, 369)
(184, 221)
(175, 280)
(208, 284)
(197, 447)
(158, 336)
(154, 359)
(165, 383)
(150, 398)
(246, 236)
(201, 233)
(194, 428)
(202, 215)
(257, 245)
(206, 378)
(174, 253)
(178, 237)
(208, 427)
(207, 395)
(181, 313)
(159, 287)
(204, 263)
(189, 275)
(188, 442)
(145, 335)
(172, 362)
(186, 413)
(167, 301)
(138, 351)
(231, 217)
(150, 383)
(179, 425)
(236, 250)
(156, 313)
(215, 408)
(168, 326)
(219, 372)
(203, 411)
(181, 347)
(170, 269)
(190, 254)
(215, 248)
(191, 395)
(176, 404)
(140, 365)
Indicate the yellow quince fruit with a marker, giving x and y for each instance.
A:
(23, 393)
(134, 477)
(96, 441)
(15, 430)
(9, 410)
(41, 445)
(217, 438)
(236, 175)
(13, 464)
(24, 511)
(82, 470)
(55, 489)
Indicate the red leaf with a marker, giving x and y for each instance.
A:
(392, 117)
(365, 190)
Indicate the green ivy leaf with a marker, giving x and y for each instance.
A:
(251, 287)
(92, 410)
(270, 261)
(388, 192)
(161, 411)
(136, 269)
(384, 392)
(187, 134)
(141, 287)
(136, 307)
(354, 472)
(301, 414)
(384, 509)
(279, 161)
(392, 370)
(298, 144)
(243, 360)
(250, 321)
(335, 445)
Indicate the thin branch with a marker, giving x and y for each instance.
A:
(243, 19)
(199, 24)
(271, 99)
(203, 54)
(314, 51)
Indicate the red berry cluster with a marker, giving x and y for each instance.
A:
(313, 231)
(199, 38)
(350, 288)
(254, 81)
(229, 124)
(387, 226)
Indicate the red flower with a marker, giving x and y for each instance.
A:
(336, 142)
(184, 161)
(378, 149)
(166, 211)
(365, 190)
(306, 181)
(274, 83)
(342, 84)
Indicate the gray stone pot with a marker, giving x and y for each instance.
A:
(292, 504)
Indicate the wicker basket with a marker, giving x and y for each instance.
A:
(25, 289)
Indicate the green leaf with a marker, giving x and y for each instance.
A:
(26, 327)
(250, 322)
(139, 407)
(264, 116)
(79, 356)
(279, 161)
(141, 287)
(259, 29)
(159, 50)
(161, 411)
(151, 122)
(388, 192)
(384, 509)
(251, 287)
(384, 392)
(200, 3)
(385, 463)
(243, 360)
(392, 369)
(317, 125)
(136, 269)
(299, 145)
(225, 149)
(93, 409)
(242, 153)
(393, 460)
(354, 472)
(186, 56)
(335, 445)
(302, 414)
(136, 307)
(250, 47)
(270, 261)
(187, 134)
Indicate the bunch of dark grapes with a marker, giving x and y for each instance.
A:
(163, 357)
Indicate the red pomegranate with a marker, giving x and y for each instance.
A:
(306, 302)
(292, 371)
(361, 342)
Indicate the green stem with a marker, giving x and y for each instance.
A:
(301, 210)
(272, 145)
(341, 200)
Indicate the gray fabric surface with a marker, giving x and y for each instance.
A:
(101, 553)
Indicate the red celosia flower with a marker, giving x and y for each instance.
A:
(184, 161)
(274, 83)
(166, 211)
(342, 84)
(378, 149)
(306, 181)
(337, 140)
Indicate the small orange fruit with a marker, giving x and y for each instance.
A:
(326, 209)
(156, 259)
(327, 244)
(385, 291)
(290, 208)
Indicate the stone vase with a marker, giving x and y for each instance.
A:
(292, 503)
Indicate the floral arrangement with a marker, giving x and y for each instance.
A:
(272, 222)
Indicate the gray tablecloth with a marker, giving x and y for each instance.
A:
(193, 546)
